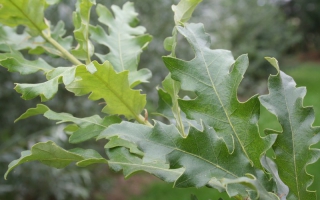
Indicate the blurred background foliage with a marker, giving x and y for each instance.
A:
(286, 29)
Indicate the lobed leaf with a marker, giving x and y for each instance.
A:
(29, 13)
(102, 82)
(293, 145)
(81, 21)
(203, 155)
(124, 39)
(52, 155)
(210, 76)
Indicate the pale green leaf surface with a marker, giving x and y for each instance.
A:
(47, 153)
(29, 13)
(11, 40)
(90, 157)
(39, 110)
(216, 88)
(183, 11)
(118, 142)
(45, 90)
(202, 155)
(137, 77)
(125, 40)
(87, 128)
(168, 106)
(52, 155)
(282, 189)
(48, 89)
(249, 182)
(105, 83)
(15, 62)
(121, 159)
(81, 21)
(292, 146)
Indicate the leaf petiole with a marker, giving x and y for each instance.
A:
(64, 52)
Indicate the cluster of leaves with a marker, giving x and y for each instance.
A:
(212, 140)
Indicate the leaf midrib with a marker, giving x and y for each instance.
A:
(135, 115)
(23, 13)
(220, 101)
(293, 141)
(191, 154)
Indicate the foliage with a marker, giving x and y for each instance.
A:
(269, 32)
(212, 140)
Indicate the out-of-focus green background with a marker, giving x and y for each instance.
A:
(286, 29)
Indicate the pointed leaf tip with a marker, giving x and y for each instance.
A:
(274, 62)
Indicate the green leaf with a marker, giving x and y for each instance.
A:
(282, 189)
(203, 155)
(15, 62)
(11, 40)
(183, 11)
(89, 157)
(249, 182)
(48, 89)
(52, 155)
(124, 39)
(169, 107)
(29, 13)
(118, 142)
(87, 128)
(81, 20)
(121, 159)
(102, 82)
(293, 145)
(45, 90)
(216, 87)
